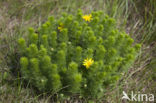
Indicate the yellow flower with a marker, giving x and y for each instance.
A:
(88, 62)
(60, 28)
(87, 17)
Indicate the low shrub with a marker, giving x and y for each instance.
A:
(76, 54)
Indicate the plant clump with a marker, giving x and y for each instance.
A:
(76, 54)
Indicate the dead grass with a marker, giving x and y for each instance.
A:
(17, 15)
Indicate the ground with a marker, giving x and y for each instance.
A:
(136, 17)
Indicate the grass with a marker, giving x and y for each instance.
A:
(137, 18)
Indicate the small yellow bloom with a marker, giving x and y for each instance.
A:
(88, 62)
(60, 28)
(87, 17)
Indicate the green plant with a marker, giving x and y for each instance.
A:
(76, 54)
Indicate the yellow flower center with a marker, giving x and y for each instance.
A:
(87, 17)
(60, 28)
(88, 62)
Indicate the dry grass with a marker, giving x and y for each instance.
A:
(17, 15)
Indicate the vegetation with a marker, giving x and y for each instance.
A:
(137, 18)
(52, 59)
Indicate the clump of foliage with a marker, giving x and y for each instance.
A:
(76, 54)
